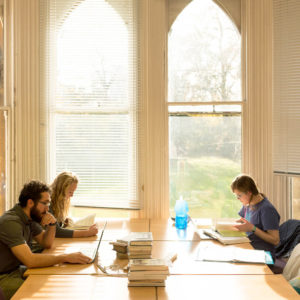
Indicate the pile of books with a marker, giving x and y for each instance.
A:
(147, 272)
(139, 244)
(134, 245)
(121, 249)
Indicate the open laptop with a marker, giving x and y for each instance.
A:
(90, 251)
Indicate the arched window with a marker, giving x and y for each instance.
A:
(91, 88)
(204, 104)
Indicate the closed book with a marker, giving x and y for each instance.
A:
(122, 255)
(148, 264)
(140, 248)
(141, 243)
(148, 251)
(120, 249)
(137, 238)
(152, 272)
(146, 283)
(137, 256)
(136, 276)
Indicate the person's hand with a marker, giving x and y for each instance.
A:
(48, 219)
(77, 258)
(67, 222)
(244, 226)
(93, 230)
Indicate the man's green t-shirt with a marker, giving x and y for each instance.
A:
(15, 229)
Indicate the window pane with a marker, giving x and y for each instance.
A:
(204, 58)
(96, 148)
(205, 156)
(3, 140)
(296, 198)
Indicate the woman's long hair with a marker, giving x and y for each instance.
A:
(60, 203)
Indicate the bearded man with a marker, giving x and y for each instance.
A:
(27, 220)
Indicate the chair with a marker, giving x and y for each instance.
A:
(289, 233)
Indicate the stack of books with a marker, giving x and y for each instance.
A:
(121, 249)
(147, 272)
(139, 244)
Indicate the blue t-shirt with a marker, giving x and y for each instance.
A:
(265, 217)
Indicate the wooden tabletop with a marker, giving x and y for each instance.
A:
(189, 279)
(186, 250)
(186, 262)
(106, 257)
(81, 287)
(165, 230)
(117, 228)
(233, 287)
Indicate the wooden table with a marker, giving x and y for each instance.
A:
(189, 279)
(117, 228)
(233, 287)
(165, 230)
(186, 263)
(106, 256)
(81, 287)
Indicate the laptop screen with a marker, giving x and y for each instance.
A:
(97, 249)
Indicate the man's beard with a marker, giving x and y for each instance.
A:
(36, 215)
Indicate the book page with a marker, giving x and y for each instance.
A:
(83, 223)
(249, 255)
(226, 228)
(215, 253)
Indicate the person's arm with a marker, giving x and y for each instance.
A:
(93, 230)
(46, 237)
(269, 236)
(63, 232)
(35, 260)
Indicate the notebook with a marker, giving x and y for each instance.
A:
(233, 254)
(89, 251)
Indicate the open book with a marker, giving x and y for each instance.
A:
(226, 228)
(233, 254)
(226, 240)
(82, 223)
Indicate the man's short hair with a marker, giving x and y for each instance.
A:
(33, 190)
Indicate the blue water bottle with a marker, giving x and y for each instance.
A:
(181, 210)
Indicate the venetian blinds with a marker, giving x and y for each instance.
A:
(90, 81)
(286, 114)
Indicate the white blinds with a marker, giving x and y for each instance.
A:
(90, 75)
(286, 124)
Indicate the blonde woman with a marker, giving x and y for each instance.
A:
(63, 188)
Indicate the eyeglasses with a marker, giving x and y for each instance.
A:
(239, 196)
(45, 203)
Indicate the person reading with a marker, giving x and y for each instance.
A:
(63, 188)
(259, 218)
(28, 219)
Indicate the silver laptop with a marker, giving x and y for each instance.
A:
(92, 251)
